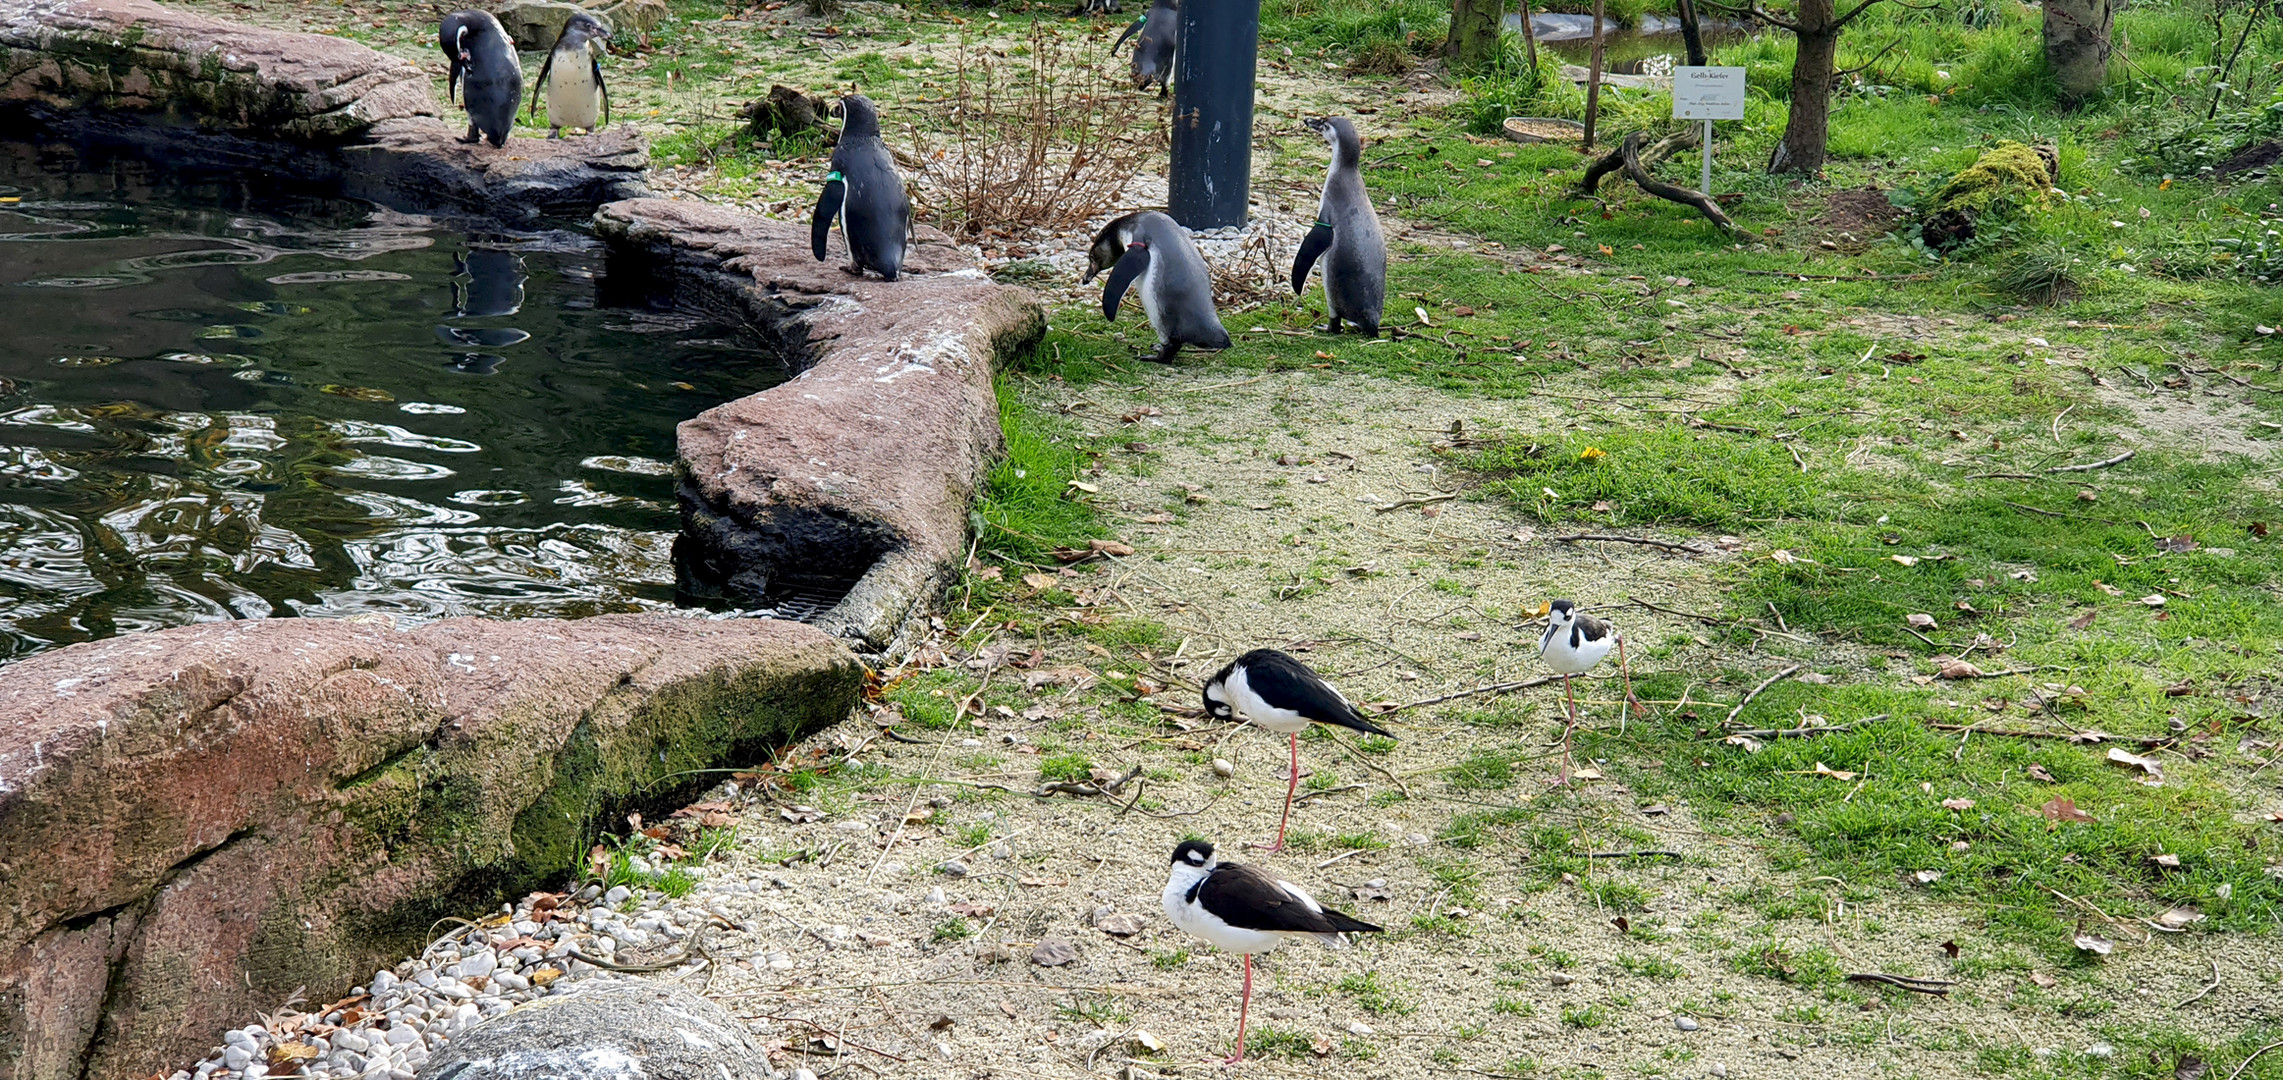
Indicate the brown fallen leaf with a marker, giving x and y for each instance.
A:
(2093, 943)
(2043, 981)
(2108, 588)
(2037, 772)
(2190, 1067)
(2083, 621)
(1040, 882)
(972, 910)
(2177, 544)
(1951, 947)
(1110, 547)
(1040, 582)
(2058, 809)
(1921, 621)
(1822, 769)
(2179, 918)
(284, 1053)
(1959, 669)
(1957, 804)
(2167, 861)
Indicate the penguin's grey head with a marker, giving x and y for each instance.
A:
(1196, 853)
(582, 29)
(858, 116)
(1561, 612)
(1340, 134)
(1109, 246)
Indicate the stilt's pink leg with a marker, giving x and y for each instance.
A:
(1290, 789)
(1244, 1012)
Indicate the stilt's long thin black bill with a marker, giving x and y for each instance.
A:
(827, 208)
(1318, 241)
(1130, 266)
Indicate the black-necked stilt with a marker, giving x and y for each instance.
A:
(1574, 642)
(1269, 689)
(1244, 910)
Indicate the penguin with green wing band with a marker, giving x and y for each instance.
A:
(865, 193)
(1346, 237)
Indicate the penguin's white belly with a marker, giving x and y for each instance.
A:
(1150, 305)
(573, 100)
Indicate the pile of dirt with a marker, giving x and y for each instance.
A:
(1858, 215)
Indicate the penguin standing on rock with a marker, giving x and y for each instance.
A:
(484, 62)
(1355, 273)
(1176, 289)
(448, 39)
(1160, 29)
(576, 96)
(865, 193)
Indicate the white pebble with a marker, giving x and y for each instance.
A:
(240, 1039)
(1684, 1023)
(235, 1057)
(617, 895)
(481, 965)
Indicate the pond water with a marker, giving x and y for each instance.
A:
(215, 405)
(1649, 46)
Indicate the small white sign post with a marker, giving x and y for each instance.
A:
(1708, 94)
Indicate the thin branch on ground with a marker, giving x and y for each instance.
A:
(2091, 466)
(1772, 680)
(2208, 987)
(1804, 732)
(1911, 983)
(1665, 545)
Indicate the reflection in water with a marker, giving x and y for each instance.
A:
(217, 408)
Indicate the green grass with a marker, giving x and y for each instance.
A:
(1269, 1042)
(1067, 767)
(1371, 993)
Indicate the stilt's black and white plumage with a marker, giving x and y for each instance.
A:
(1245, 910)
(1574, 642)
(1269, 689)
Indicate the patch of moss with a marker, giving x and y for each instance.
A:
(2008, 173)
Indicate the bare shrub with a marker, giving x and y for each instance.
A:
(1046, 138)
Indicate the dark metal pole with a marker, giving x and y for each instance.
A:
(1211, 180)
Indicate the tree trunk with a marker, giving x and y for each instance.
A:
(1809, 126)
(1692, 38)
(1530, 39)
(1473, 43)
(2077, 45)
(1593, 77)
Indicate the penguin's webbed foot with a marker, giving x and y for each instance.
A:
(472, 137)
(1332, 327)
(1165, 352)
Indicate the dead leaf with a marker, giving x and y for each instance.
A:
(972, 910)
(1951, 947)
(598, 861)
(2179, 918)
(1905, 560)
(545, 975)
(1039, 582)
(1922, 621)
(284, 1053)
(1822, 769)
(672, 852)
(1959, 669)
(2108, 588)
(1966, 607)
(1927, 877)
(1110, 547)
(2177, 545)
(2190, 1067)
(1090, 489)
(1586, 772)
(2058, 809)
(801, 815)
(2037, 772)
(2153, 599)
(1957, 804)
(2152, 767)
(2083, 621)
(2169, 862)
(2093, 943)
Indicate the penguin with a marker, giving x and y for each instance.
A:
(864, 192)
(1097, 7)
(1176, 289)
(576, 96)
(491, 76)
(448, 39)
(1355, 272)
(1160, 29)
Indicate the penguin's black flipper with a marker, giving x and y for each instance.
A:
(544, 68)
(1130, 266)
(1132, 28)
(602, 90)
(452, 81)
(1316, 243)
(827, 208)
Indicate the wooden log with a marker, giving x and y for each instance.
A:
(1684, 196)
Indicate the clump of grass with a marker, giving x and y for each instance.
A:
(1168, 959)
(677, 883)
(1100, 1010)
(1589, 1016)
(1488, 768)
(1376, 996)
(1268, 1042)
(1070, 767)
(952, 929)
(2040, 273)
(1381, 57)
(1649, 967)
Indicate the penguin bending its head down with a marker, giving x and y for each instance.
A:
(448, 39)
(576, 96)
(1355, 271)
(865, 193)
(491, 77)
(1176, 289)
(1160, 29)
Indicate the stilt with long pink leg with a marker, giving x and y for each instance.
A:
(1574, 642)
(1270, 689)
(1244, 909)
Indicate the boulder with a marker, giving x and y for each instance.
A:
(187, 69)
(422, 166)
(639, 16)
(535, 24)
(862, 466)
(608, 1029)
(197, 822)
